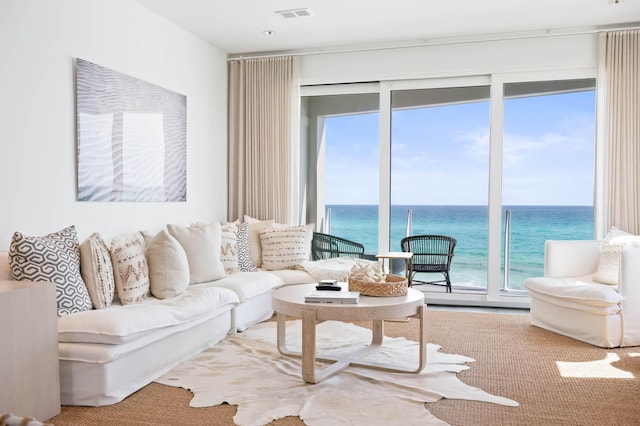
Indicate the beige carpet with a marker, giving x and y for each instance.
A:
(513, 359)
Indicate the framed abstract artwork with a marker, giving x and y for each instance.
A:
(131, 138)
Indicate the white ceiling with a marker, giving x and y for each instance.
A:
(236, 26)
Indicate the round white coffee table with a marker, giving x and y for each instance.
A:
(289, 301)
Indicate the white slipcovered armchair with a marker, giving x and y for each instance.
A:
(568, 301)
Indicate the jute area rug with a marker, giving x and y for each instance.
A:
(556, 380)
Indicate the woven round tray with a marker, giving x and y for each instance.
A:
(394, 286)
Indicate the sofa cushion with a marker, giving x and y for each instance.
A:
(294, 276)
(283, 248)
(579, 291)
(97, 271)
(202, 244)
(130, 268)
(248, 284)
(124, 323)
(168, 266)
(609, 261)
(55, 258)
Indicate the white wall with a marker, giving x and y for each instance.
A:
(39, 41)
(456, 59)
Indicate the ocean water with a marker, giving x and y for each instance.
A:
(531, 226)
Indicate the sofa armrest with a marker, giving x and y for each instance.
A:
(570, 258)
(629, 287)
(629, 277)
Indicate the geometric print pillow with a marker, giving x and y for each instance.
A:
(55, 258)
(245, 264)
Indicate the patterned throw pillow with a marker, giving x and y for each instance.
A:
(309, 236)
(202, 245)
(55, 258)
(130, 268)
(97, 271)
(229, 247)
(283, 248)
(245, 264)
(168, 266)
(256, 226)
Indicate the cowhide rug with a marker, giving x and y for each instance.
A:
(247, 371)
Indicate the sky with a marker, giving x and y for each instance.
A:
(440, 155)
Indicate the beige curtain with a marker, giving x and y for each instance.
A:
(618, 152)
(263, 141)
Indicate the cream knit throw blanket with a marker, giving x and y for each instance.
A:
(337, 268)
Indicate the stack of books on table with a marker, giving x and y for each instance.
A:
(329, 296)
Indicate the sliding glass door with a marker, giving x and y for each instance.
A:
(440, 173)
(346, 163)
(547, 173)
(502, 163)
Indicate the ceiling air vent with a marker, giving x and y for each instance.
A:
(295, 13)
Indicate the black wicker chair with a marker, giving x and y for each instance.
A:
(431, 253)
(325, 246)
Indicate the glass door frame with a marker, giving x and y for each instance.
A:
(386, 89)
(318, 157)
(494, 295)
(494, 277)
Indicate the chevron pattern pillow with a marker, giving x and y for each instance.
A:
(130, 268)
(54, 258)
(229, 247)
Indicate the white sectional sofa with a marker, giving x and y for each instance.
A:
(106, 354)
(587, 297)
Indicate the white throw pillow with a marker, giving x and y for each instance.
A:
(202, 245)
(130, 268)
(97, 271)
(283, 248)
(256, 226)
(168, 266)
(609, 261)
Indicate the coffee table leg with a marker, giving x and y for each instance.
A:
(377, 333)
(309, 346)
(308, 354)
(422, 316)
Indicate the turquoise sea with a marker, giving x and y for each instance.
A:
(531, 226)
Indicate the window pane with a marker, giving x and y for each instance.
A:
(350, 128)
(440, 170)
(548, 163)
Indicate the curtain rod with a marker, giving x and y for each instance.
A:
(435, 42)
